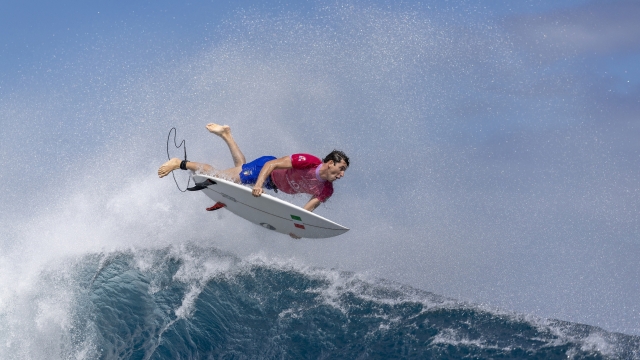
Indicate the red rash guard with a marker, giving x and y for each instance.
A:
(303, 177)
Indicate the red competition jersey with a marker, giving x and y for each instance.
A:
(303, 177)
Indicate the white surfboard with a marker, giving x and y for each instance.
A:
(268, 211)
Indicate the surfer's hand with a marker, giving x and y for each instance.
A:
(257, 191)
(294, 236)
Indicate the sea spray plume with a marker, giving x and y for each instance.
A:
(49, 317)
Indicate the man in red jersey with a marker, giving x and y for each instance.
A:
(294, 174)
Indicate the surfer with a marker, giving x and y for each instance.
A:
(294, 174)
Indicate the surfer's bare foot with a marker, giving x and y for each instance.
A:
(220, 130)
(168, 167)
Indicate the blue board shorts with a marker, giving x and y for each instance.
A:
(251, 170)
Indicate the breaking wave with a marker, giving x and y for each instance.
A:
(191, 302)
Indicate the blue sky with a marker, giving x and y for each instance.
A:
(494, 143)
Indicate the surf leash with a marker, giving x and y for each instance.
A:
(183, 144)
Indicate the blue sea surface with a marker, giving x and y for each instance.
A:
(191, 302)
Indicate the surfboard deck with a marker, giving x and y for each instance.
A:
(268, 211)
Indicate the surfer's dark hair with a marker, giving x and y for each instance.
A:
(336, 156)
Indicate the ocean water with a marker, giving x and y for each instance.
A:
(493, 189)
(192, 302)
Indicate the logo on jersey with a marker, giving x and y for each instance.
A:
(302, 158)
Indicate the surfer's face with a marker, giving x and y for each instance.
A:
(336, 170)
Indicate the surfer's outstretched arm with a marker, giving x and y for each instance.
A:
(312, 204)
(267, 169)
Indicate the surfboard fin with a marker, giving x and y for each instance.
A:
(216, 206)
(202, 185)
